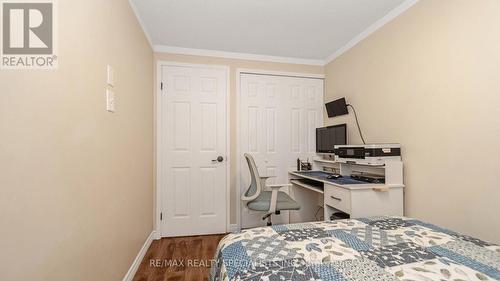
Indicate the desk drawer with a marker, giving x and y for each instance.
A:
(338, 198)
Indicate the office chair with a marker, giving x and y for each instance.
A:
(271, 202)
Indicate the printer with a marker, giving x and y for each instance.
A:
(367, 154)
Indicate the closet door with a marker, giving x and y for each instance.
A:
(278, 118)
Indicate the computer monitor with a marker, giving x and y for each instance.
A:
(328, 137)
(336, 108)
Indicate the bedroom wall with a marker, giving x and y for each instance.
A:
(76, 182)
(430, 81)
(234, 64)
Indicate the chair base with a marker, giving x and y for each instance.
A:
(268, 217)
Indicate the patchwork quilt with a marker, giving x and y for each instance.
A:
(378, 248)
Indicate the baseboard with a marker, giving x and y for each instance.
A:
(138, 259)
(234, 228)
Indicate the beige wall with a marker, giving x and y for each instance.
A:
(234, 64)
(76, 181)
(430, 80)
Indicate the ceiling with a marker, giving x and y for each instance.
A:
(307, 30)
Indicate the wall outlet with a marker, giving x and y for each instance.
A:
(110, 101)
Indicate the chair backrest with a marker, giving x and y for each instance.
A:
(255, 185)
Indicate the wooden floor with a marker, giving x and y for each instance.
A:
(179, 258)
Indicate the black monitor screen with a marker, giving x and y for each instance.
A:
(328, 137)
(336, 108)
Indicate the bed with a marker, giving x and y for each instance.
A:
(378, 248)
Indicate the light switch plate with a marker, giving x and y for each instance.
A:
(110, 101)
(110, 79)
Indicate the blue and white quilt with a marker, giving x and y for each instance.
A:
(379, 248)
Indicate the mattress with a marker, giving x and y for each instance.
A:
(378, 248)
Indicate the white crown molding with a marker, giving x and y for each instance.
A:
(279, 73)
(141, 23)
(232, 55)
(372, 28)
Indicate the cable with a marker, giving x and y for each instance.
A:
(316, 214)
(357, 123)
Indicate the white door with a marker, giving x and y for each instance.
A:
(278, 120)
(192, 147)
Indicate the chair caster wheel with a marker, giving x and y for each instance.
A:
(269, 223)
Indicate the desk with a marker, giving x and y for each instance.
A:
(356, 198)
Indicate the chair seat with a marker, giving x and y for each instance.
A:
(263, 201)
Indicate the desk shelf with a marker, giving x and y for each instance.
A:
(325, 161)
(332, 162)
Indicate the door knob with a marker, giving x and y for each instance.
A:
(219, 159)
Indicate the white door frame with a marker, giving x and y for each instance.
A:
(158, 184)
(240, 71)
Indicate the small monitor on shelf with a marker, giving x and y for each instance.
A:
(328, 137)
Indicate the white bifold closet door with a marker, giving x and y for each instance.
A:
(278, 120)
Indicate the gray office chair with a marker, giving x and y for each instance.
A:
(271, 202)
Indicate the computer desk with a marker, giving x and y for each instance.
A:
(356, 198)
